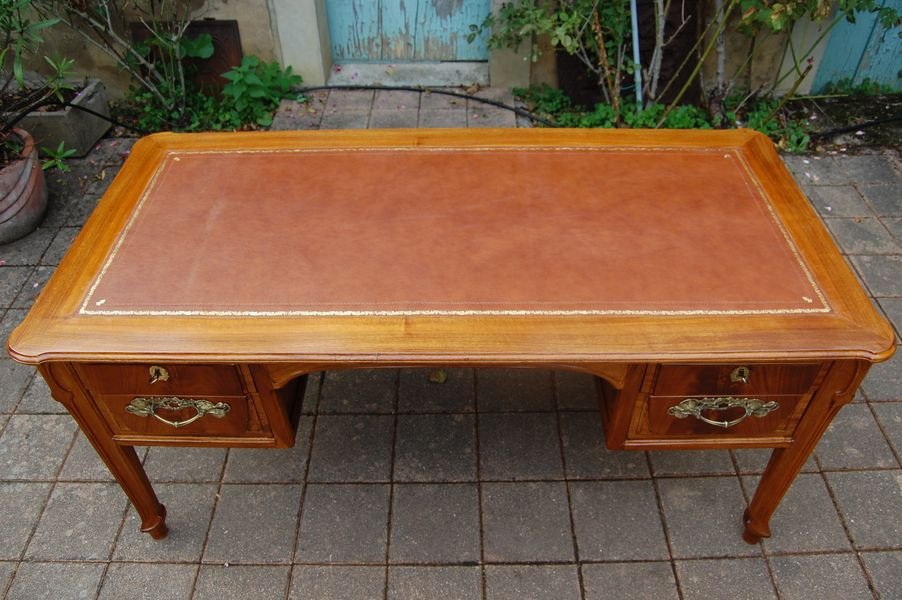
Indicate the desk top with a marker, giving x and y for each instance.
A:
(453, 245)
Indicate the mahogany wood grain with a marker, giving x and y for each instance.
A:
(713, 380)
(182, 379)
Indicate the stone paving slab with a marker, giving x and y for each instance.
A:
(23, 503)
(253, 523)
(147, 581)
(629, 579)
(884, 569)
(352, 448)
(428, 583)
(345, 523)
(271, 465)
(519, 446)
(725, 579)
(703, 517)
(854, 441)
(526, 522)
(329, 582)
(871, 504)
(819, 576)
(586, 456)
(186, 465)
(807, 518)
(188, 526)
(417, 393)
(88, 513)
(493, 484)
(55, 580)
(534, 581)
(435, 448)
(215, 582)
(435, 524)
(617, 520)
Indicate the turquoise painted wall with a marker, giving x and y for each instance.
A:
(862, 50)
(406, 30)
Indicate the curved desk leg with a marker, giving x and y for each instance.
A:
(837, 390)
(122, 461)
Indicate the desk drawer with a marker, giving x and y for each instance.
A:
(161, 379)
(720, 416)
(744, 380)
(180, 416)
(718, 405)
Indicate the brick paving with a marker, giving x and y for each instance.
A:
(495, 484)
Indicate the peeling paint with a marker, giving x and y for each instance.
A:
(408, 30)
(445, 9)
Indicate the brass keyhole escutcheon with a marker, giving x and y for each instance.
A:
(740, 375)
(158, 374)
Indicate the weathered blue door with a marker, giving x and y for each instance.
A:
(863, 50)
(406, 30)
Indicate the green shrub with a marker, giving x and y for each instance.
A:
(764, 115)
(255, 89)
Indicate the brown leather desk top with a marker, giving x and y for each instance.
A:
(210, 238)
(443, 230)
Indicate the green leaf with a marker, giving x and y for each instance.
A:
(43, 24)
(198, 47)
(18, 70)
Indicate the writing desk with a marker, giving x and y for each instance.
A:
(684, 269)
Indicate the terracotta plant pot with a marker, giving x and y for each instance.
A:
(23, 193)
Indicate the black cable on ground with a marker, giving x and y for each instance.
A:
(105, 118)
(851, 128)
(514, 109)
(427, 90)
(421, 90)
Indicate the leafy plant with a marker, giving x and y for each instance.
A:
(250, 97)
(595, 31)
(778, 16)
(255, 89)
(793, 135)
(22, 37)
(157, 65)
(759, 17)
(763, 115)
(867, 87)
(56, 158)
(544, 99)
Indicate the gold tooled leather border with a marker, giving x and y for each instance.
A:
(728, 152)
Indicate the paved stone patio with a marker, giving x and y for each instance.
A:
(494, 484)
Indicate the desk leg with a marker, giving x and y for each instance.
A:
(122, 461)
(837, 390)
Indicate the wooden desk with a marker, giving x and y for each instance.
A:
(684, 269)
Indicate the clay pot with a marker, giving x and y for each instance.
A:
(23, 193)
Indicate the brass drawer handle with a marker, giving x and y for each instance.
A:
(158, 374)
(146, 407)
(694, 406)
